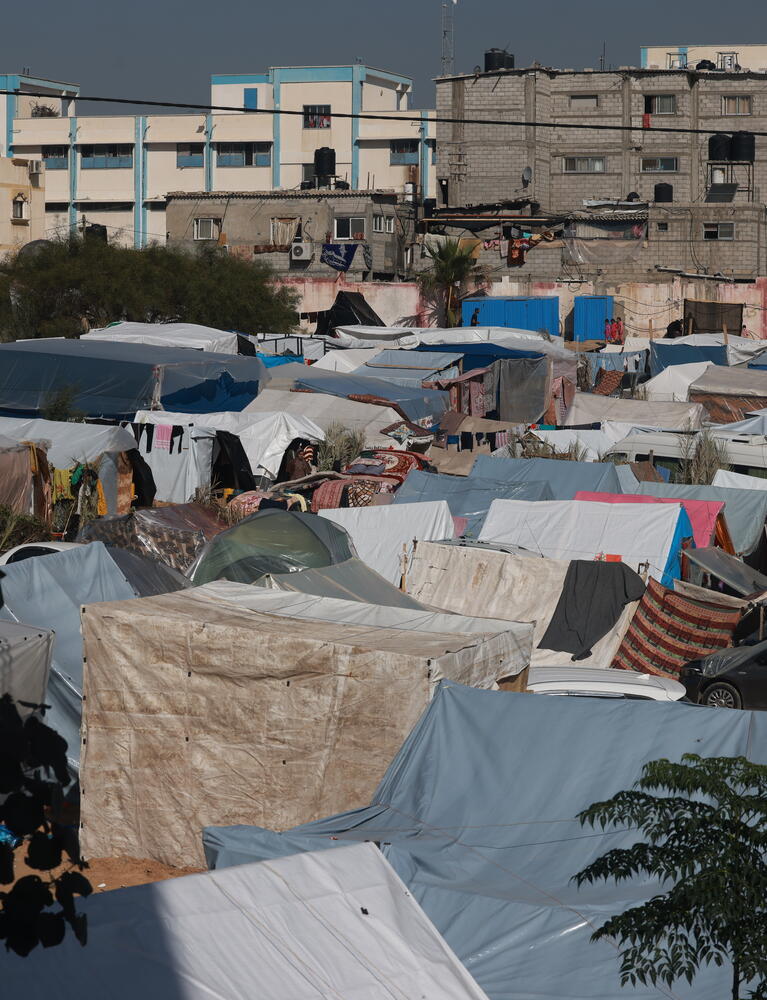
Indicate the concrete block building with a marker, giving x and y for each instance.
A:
(22, 203)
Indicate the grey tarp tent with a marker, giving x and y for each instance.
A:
(350, 580)
(477, 814)
(25, 662)
(564, 478)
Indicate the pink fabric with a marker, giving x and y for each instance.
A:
(702, 513)
(459, 526)
(162, 435)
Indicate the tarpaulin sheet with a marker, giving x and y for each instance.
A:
(409, 367)
(731, 381)
(744, 510)
(263, 436)
(68, 442)
(299, 927)
(588, 408)
(673, 384)
(16, 486)
(636, 533)
(47, 591)
(754, 422)
(667, 355)
(703, 514)
(383, 536)
(25, 662)
(565, 478)
(477, 813)
(739, 349)
(480, 581)
(114, 380)
(480, 355)
(345, 361)
(738, 481)
(184, 465)
(591, 445)
(350, 580)
(273, 720)
(469, 498)
(186, 335)
(733, 571)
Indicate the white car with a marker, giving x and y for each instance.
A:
(30, 549)
(603, 683)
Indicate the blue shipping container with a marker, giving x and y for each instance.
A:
(522, 313)
(590, 314)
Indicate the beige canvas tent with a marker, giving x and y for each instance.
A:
(201, 712)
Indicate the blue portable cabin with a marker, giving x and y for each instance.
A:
(589, 315)
(534, 312)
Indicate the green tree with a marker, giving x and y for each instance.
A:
(451, 270)
(706, 841)
(64, 288)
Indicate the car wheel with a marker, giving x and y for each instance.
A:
(722, 695)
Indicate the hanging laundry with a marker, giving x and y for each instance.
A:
(162, 436)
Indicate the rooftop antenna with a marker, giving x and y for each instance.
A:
(603, 57)
(448, 38)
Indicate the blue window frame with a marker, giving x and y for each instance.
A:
(189, 154)
(56, 157)
(250, 98)
(244, 154)
(403, 152)
(112, 156)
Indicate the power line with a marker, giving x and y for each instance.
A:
(367, 116)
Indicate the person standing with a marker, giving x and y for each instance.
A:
(607, 331)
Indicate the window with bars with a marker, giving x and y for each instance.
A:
(737, 104)
(112, 156)
(244, 154)
(584, 164)
(403, 152)
(190, 154)
(659, 164)
(56, 157)
(316, 116)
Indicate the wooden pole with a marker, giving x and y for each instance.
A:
(650, 325)
(689, 327)
(724, 330)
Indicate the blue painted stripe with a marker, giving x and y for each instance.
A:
(241, 78)
(72, 174)
(358, 78)
(315, 74)
(208, 152)
(11, 107)
(643, 52)
(425, 154)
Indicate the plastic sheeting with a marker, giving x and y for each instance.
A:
(564, 478)
(703, 514)
(468, 498)
(744, 510)
(263, 436)
(185, 466)
(69, 443)
(480, 581)
(383, 536)
(673, 384)
(147, 577)
(25, 662)
(346, 361)
(672, 353)
(187, 335)
(16, 481)
(738, 481)
(275, 720)
(410, 368)
(350, 580)
(734, 572)
(588, 408)
(729, 659)
(754, 422)
(634, 533)
(298, 927)
(114, 380)
(489, 849)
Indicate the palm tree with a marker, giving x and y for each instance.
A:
(452, 267)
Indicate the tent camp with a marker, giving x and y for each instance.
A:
(383, 536)
(469, 580)
(728, 394)
(345, 361)
(275, 720)
(489, 852)
(564, 478)
(21, 486)
(672, 385)
(738, 481)
(114, 380)
(348, 308)
(411, 368)
(669, 354)
(298, 927)
(589, 408)
(640, 535)
(189, 335)
(25, 663)
(350, 580)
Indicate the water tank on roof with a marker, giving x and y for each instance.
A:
(705, 64)
(496, 59)
(324, 162)
(743, 147)
(664, 192)
(429, 207)
(719, 146)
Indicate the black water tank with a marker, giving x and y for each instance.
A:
(743, 147)
(429, 207)
(664, 192)
(705, 64)
(719, 146)
(342, 185)
(496, 59)
(307, 185)
(325, 162)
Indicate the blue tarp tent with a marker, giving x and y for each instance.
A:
(476, 814)
(469, 498)
(114, 380)
(479, 354)
(411, 368)
(664, 355)
(564, 478)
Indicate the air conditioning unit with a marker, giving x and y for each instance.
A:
(302, 251)
(35, 166)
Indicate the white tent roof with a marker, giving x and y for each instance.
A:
(580, 529)
(264, 436)
(738, 481)
(191, 335)
(718, 380)
(346, 361)
(589, 408)
(672, 385)
(382, 534)
(69, 443)
(336, 923)
(739, 349)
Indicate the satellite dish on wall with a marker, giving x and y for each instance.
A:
(527, 176)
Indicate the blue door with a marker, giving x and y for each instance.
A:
(591, 311)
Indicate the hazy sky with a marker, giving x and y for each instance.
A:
(167, 49)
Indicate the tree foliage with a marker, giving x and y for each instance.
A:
(451, 269)
(64, 288)
(706, 840)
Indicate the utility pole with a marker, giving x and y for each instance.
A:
(448, 38)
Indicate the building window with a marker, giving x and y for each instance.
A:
(383, 223)
(207, 229)
(660, 104)
(736, 105)
(584, 102)
(316, 116)
(662, 227)
(190, 154)
(403, 152)
(250, 98)
(350, 229)
(659, 164)
(56, 157)
(718, 230)
(244, 154)
(676, 60)
(19, 208)
(584, 164)
(108, 157)
(727, 60)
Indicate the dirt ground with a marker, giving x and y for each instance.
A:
(105, 874)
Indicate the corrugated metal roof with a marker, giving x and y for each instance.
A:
(281, 195)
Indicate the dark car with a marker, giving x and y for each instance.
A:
(731, 678)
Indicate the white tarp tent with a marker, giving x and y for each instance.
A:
(325, 924)
(181, 466)
(589, 408)
(346, 361)
(25, 662)
(578, 529)
(739, 349)
(672, 385)
(738, 481)
(383, 536)
(190, 335)
(264, 436)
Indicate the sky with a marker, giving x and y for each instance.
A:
(167, 49)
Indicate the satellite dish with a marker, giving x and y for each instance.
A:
(527, 176)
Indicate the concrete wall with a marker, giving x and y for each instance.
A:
(397, 303)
